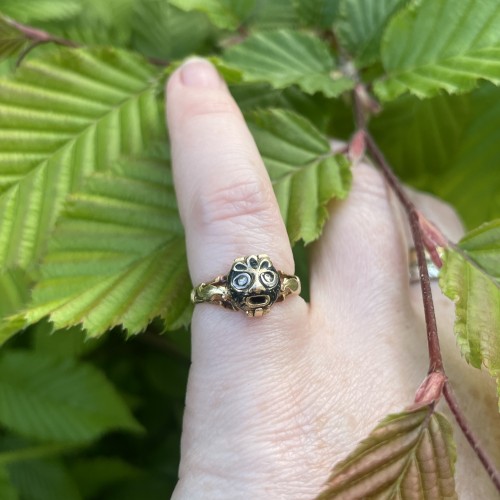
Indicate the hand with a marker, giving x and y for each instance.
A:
(274, 402)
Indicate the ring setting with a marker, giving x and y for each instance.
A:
(252, 285)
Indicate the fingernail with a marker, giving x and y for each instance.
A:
(196, 72)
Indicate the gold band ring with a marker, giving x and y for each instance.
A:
(252, 285)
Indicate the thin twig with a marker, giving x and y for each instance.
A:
(469, 435)
(39, 36)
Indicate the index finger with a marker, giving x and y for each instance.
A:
(225, 195)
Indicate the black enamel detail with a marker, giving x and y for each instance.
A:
(254, 283)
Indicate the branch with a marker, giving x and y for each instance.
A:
(36, 37)
(436, 382)
(471, 438)
(39, 36)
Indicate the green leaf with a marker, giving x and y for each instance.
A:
(12, 41)
(408, 455)
(483, 246)
(472, 182)
(58, 400)
(7, 490)
(14, 292)
(305, 173)
(317, 13)
(61, 118)
(162, 31)
(447, 145)
(317, 108)
(96, 474)
(96, 23)
(273, 15)
(283, 58)
(71, 342)
(361, 25)
(471, 278)
(29, 11)
(117, 256)
(43, 480)
(226, 14)
(440, 45)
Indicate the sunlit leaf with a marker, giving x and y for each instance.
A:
(58, 400)
(305, 173)
(61, 118)
(361, 25)
(117, 255)
(283, 58)
(471, 278)
(440, 45)
(408, 455)
(226, 14)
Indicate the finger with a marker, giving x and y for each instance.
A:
(360, 272)
(226, 202)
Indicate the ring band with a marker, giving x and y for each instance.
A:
(252, 285)
(414, 269)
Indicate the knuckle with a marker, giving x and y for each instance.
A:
(250, 199)
(217, 105)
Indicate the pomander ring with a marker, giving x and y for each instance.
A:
(252, 285)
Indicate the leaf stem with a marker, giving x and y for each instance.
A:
(39, 36)
(469, 435)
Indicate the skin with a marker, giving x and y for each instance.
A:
(274, 402)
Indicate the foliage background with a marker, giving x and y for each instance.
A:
(101, 418)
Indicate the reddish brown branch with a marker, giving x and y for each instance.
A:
(435, 358)
(39, 36)
(469, 435)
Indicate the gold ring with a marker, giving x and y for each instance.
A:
(252, 285)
